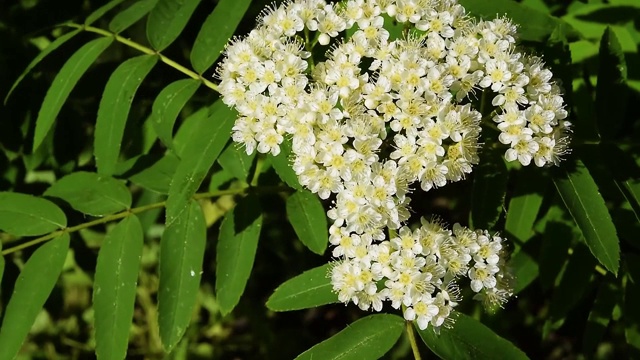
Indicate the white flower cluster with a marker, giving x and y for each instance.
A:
(380, 114)
(418, 269)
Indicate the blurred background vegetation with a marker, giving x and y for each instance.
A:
(568, 306)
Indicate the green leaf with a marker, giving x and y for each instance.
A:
(534, 25)
(167, 20)
(469, 339)
(167, 107)
(310, 289)
(282, 165)
(91, 193)
(368, 338)
(236, 161)
(554, 252)
(489, 189)
(572, 288)
(216, 32)
(131, 15)
(585, 204)
(26, 215)
(219, 178)
(157, 176)
(114, 287)
(236, 251)
(114, 110)
(524, 269)
(101, 11)
(48, 50)
(600, 315)
(206, 143)
(631, 191)
(181, 254)
(189, 127)
(611, 90)
(35, 283)
(1, 263)
(525, 204)
(63, 83)
(306, 214)
(631, 310)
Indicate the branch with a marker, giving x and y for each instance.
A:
(145, 50)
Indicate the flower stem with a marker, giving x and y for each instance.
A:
(132, 44)
(412, 340)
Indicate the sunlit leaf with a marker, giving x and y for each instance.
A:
(583, 200)
(101, 11)
(181, 253)
(167, 20)
(236, 251)
(236, 161)
(131, 15)
(48, 50)
(91, 193)
(310, 289)
(167, 107)
(368, 338)
(469, 339)
(114, 110)
(611, 90)
(307, 216)
(63, 83)
(114, 288)
(26, 215)
(35, 283)
(198, 156)
(216, 32)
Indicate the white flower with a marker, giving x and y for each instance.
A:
(422, 312)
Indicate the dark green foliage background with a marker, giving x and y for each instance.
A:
(570, 303)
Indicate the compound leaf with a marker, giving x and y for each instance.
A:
(368, 338)
(63, 83)
(167, 20)
(236, 251)
(216, 31)
(181, 253)
(168, 105)
(198, 156)
(580, 194)
(114, 288)
(26, 215)
(310, 289)
(307, 216)
(91, 193)
(114, 110)
(35, 283)
(469, 339)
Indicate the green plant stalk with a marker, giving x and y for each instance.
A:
(412, 340)
(128, 212)
(146, 50)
